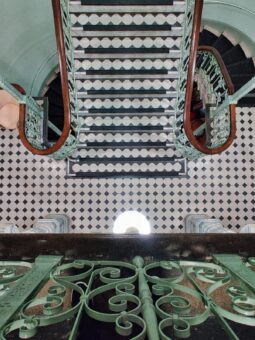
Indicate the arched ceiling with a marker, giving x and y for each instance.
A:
(28, 48)
(234, 16)
(27, 40)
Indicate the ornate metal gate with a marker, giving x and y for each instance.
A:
(141, 299)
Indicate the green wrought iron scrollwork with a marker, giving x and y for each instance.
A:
(139, 300)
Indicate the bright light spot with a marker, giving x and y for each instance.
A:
(131, 221)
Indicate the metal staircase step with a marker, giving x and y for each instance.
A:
(126, 2)
(167, 94)
(124, 153)
(145, 168)
(222, 44)
(102, 137)
(168, 10)
(127, 56)
(133, 63)
(173, 32)
(81, 43)
(233, 55)
(127, 129)
(136, 103)
(84, 55)
(124, 145)
(85, 76)
(95, 122)
(129, 113)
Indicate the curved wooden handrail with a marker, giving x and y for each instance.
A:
(190, 79)
(224, 71)
(65, 92)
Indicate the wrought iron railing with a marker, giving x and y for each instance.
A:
(135, 300)
(187, 63)
(62, 6)
(217, 91)
(32, 115)
(212, 76)
(220, 129)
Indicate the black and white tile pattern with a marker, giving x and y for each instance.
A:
(126, 65)
(220, 186)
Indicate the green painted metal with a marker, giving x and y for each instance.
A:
(34, 113)
(243, 91)
(148, 309)
(236, 266)
(151, 297)
(28, 52)
(214, 93)
(34, 122)
(180, 139)
(72, 142)
(210, 77)
(21, 99)
(223, 108)
(17, 294)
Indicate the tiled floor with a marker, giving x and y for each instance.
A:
(221, 186)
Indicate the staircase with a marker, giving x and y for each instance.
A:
(126, 68)
(240, 68)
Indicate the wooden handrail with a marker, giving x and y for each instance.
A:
(65, 92)
(190, 80)
(224, 71)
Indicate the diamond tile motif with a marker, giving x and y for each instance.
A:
(221, 186)
(126, 68)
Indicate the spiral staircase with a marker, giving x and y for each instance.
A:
(121, 104)
(240, 67)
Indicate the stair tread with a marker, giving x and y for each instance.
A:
(174, 32)
(222, 44)
(146, 168)
(155, 159)
(126, 2)
(130, 9)
(85, 75)
(126, 64)
(169, 94)
(247, 67)
(207, 38)
(83, 55)
(233, 55)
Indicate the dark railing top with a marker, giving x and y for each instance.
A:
(65, 92)
(119, 247)
(190, 80)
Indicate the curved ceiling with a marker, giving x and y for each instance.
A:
(234, 16)
(27, 40)
(28, 48)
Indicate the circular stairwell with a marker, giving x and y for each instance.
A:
(241, 68)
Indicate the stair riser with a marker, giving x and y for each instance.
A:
(126, 63)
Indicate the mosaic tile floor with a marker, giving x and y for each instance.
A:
(221, 186)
